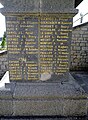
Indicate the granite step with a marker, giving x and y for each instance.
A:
(45, 118)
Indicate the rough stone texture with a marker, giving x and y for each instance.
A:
(49, 99)
(79, 48)
(50, 107)
(75, 107)
(38, 107)
(61, 107)
(6, 103)
(44, 118)
(36, 6)
(82, 79)
(47, 90)
(3, 63)
(31, 99)
(5, 94)
(40, 98)
(6, 107)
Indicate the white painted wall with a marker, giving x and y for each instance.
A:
(2, 23)
(83, 10)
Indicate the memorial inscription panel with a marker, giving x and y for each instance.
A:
(38, 45)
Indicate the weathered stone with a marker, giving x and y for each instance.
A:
(3, 63)
(6, 106)
(84, 29)
(39, 34)
(82, 44)
(5, 94)
(36, 6)
(39, 64)
(38, 107)
(80, 47)
(75, 107)
(49, 99)
(3, 67)
(84, 48)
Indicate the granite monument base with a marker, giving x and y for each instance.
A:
(31, 99)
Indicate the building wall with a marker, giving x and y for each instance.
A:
(82, 16)
(79, 48)
(3, 63)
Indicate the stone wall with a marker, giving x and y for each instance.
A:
(3, 63)
(79, 48)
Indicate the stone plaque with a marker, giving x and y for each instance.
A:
(38, 46)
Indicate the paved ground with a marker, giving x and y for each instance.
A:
(82, 79)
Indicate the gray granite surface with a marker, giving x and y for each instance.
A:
(30, 99)
(45, 118)
(43, 6)
(55, 89)
(82, 79)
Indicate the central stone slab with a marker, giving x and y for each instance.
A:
(38, 46)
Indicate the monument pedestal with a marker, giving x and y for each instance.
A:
(42, 98)
(39, 35)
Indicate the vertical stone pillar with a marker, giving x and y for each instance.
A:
(39, 35)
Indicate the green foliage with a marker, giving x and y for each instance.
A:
(3, 44)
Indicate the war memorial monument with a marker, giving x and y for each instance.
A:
(39, 33)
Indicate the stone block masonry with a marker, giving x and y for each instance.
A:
(39, 34)
(43, 99)
(79, 48)
(3, 63)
